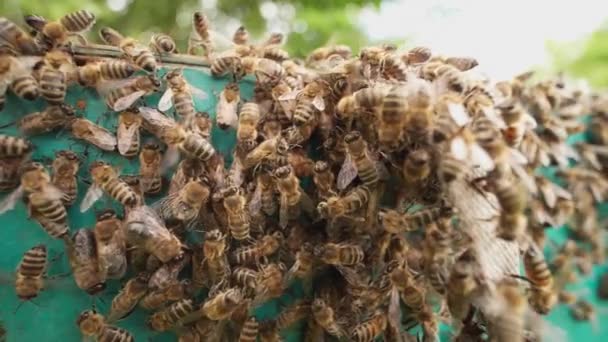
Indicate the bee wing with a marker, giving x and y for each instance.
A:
(219, 41)
(166, 101)
(283, 212)
(458, 113)
(93, 194)
(9, 201)
(289, 95)
(288, 107)
(125, 102)
(255, 204)
(156, 118)
(170, 158)
(394, 309)
(225, 113)
(348, 172)
(494, 117)
(459, 148)
(480, 157)
(198, 93)
(53, 192)
(528, 180)
(101, 138)
(529, 122)
(125, 137)
(319, 103)
(548, 194)
(235, 175)
(306, 202)
(591, 158)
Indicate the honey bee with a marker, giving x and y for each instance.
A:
(184, 206)
(171, 316)
(51, 118)
(173, 292)
(31, 272)
(180, 94)
(270, 150)
(512, 199)
(163, 43)
(121, 98)
(15, 73)
(84, 262)
(292, 314)
(508, 322)
(53, 76)
(65, 168)
(93, 324)
(9, 173)
(392, 120)
(57, 33)
(260, 249)
(249, 330)
(200, 34)
(238, 219)
(343, 254)
(144, 228)
(111, 245)
(15, 37)
(133, 50)
(191, 144)
(269, 283)
(222, 65)
(323, 178)
(127, 134)
(325, 316)
(543, 296)
(358, 162)
(241, 36)
(394, 222)
(226, 111)
(127, 298)
(461, 286)
(264, 195)
(105, 179)
(248, 122)
(93, 134)
(94, 74)
(215, 258)
(167, 273)
(150, 159)
(303, 264)
(43, 199)
(290, 192)
(11, 147)
(417, 55)
(155, 122)
(223, 304)
(370, 329)
(366, 99)
(350, 203)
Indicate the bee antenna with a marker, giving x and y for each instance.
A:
(18, 307)
(8, 124)
(517, 276)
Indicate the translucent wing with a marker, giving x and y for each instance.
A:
(255, 204)
(289, 95)
(479, 156)
(591, 158)
(219, 41)
(52, 192)
(226, 112)
(198, 93)
(319, 103)
(101, 137)
(155, 118)
(166, 101)
(125, 102)
(529, 122)
(125, 137)
(348, 172)
(394, 309)
(459, 148)
(527, 180)
(9, 201)
(458, 113)
(283, 212)
(170, 159)
(306, 203)
(235, 175)
(93, 194)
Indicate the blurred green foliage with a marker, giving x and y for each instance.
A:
(587, 58)
(311, 23)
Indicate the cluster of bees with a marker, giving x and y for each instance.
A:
(367, 220)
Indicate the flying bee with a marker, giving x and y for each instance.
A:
(150, 159)
(461, 285)
(417, 55)
(64, 177)
(44, 200)
(248, 122)
(507, 322)
(163, 43)
(145, 229)
(223, 304)
(358, 162)
(290, 193)
(171, 316)
(259, 250)
(111, 245)
(226, 111)
(182, 208)
(127, 134)
(241, 36)
(93, 74)
(342, 254)
(323, 178)
(512, 199)
(93, 134)
(105, 179)
(121, 98)
(133, 50)
(180, 94)
(84, 262)
(51, 118)
(15, 73)
(370, 329)
(53, 76)
(15, 37)
(238, 219)
(203, 36)
(93, 324)
(57, 33)
(128, 297)
(325, 316)
(543, 295)
(173, 292)
(11, 147)
(31, 272)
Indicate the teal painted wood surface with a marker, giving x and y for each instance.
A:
(53, 314)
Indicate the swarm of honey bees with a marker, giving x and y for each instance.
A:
(400, 189)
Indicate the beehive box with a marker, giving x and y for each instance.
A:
(52, 316)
